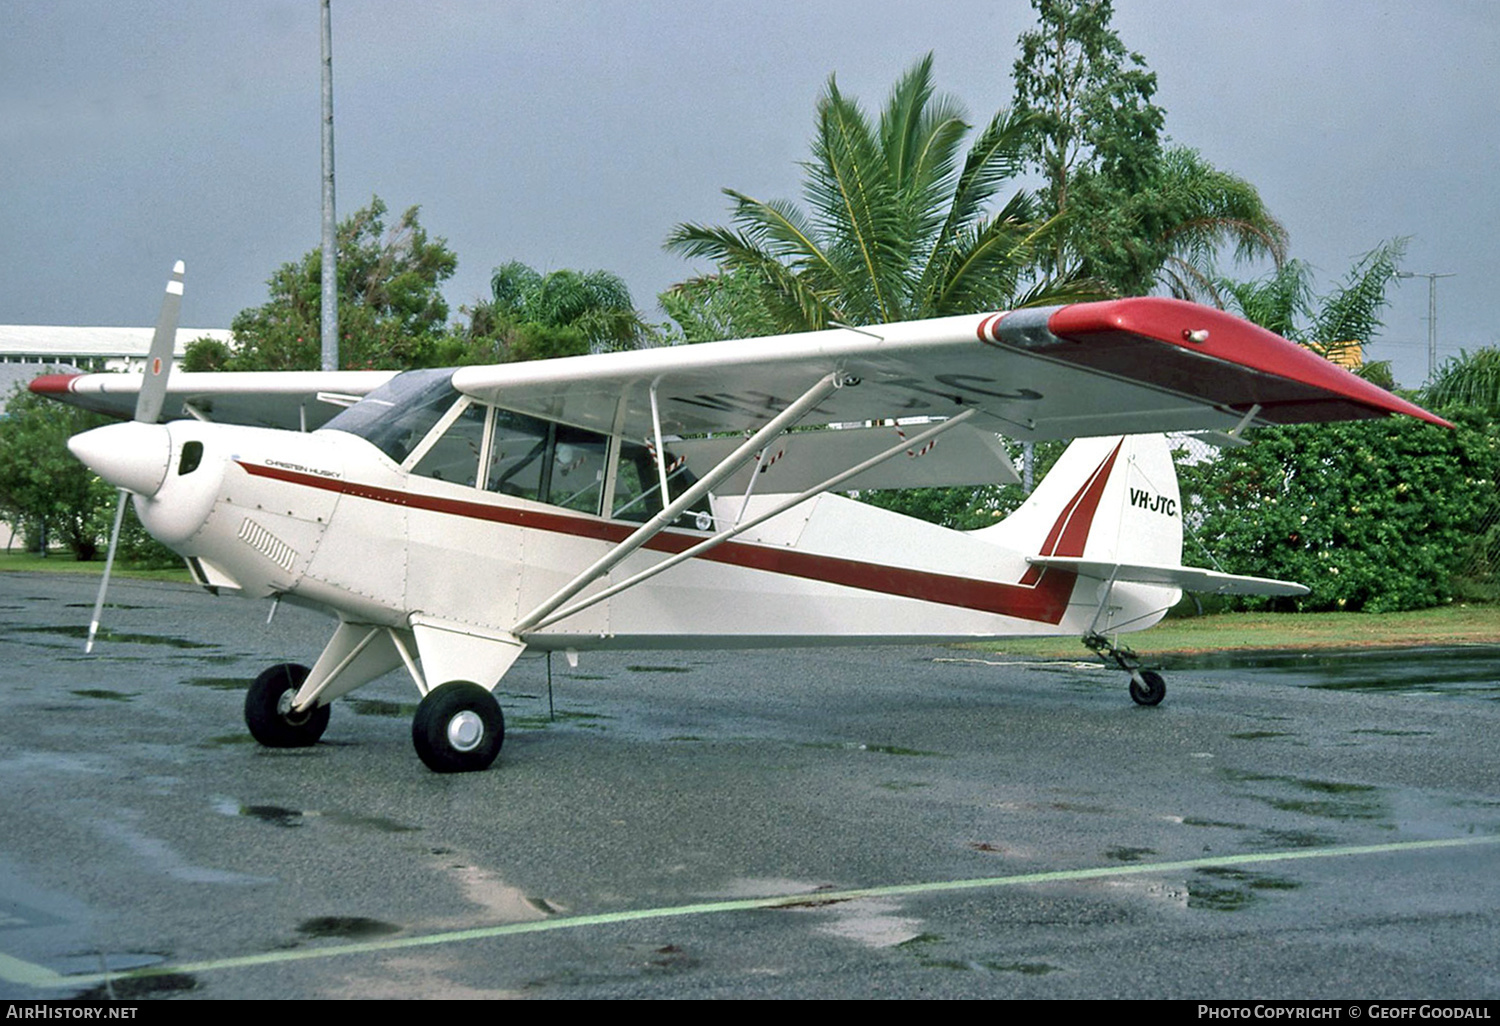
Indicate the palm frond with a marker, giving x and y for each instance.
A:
(1351, 313)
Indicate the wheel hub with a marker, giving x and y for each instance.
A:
(465, 731)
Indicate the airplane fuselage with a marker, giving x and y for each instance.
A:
(327, 519)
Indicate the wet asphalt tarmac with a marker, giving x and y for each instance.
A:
(1278, 828)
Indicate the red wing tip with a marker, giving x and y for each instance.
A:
(53, 384)
(1232, 339)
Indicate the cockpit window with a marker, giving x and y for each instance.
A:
(398, 415)
(553, 463)
(455, 456)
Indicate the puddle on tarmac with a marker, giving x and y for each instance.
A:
(226, 739)
(276, 815)
(542, 721)
(660, 669)
(1327, 799)
(1467, 671)
(219, 683)
(1128, 854)
(105, 693)
(921, 947)
(129, 988)
(381, 707)
(81, 632)
(379, 823)
(860, 746)
(281, 816)
(346, 927)
(107, 605)
(1220, 889)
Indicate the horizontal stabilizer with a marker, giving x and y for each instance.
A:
(1188, 578)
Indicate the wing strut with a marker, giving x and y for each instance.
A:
(708, 543)
(783, 420)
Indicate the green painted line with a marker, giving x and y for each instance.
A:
(15, 970)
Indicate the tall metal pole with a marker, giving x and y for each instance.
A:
(1431, 315)
(330, 325)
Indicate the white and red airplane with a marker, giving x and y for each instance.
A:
(684, 498)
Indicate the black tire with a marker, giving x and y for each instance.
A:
(267, 711)
(1154, 690)
(458, 728)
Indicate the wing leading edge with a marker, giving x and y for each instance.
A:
(295, 400)
(1120, 367)
(1125, 366)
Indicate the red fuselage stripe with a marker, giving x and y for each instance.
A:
(1041, 597)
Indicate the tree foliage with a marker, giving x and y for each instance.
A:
(725, 305)
(1344, 318)
(898, 225)
(532, 316)
(1373, 515)
(1135, 214)
(43, 488)
(391, 310)
(1471, 379)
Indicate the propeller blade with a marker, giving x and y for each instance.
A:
(109, 564)
(147, 409)
(159, 360)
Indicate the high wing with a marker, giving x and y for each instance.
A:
(295, 400)
(1124, 366)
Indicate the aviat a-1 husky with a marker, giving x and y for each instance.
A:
(680, 498)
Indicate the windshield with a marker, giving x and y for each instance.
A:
(398, 415)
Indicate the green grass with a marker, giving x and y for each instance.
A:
(64, 563)
(1223, 632)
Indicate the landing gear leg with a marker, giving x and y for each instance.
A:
(1147, 687)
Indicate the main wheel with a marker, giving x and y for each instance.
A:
(1150, 690)
(268, 709)
(458, 728)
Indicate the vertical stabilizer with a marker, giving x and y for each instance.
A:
(1108, 499)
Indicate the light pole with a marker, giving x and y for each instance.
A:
(1431, 315)
(330, 282)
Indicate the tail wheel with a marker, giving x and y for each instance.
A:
(1147, 687)
(268, 709)
(458, 728)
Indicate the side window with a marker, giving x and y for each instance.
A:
(638, 487)
(577, 469)
(518, 451)
(455, 456)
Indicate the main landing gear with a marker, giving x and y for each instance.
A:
(268, 709)
(458, 728)
(1147, 687)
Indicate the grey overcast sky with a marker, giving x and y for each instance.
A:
(578, 134)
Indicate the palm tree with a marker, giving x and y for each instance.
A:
(1329, 325)
(898, 229)
(1201, 210)
(594, 304)
(1471, 379)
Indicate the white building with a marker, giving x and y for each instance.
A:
(91, 349)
